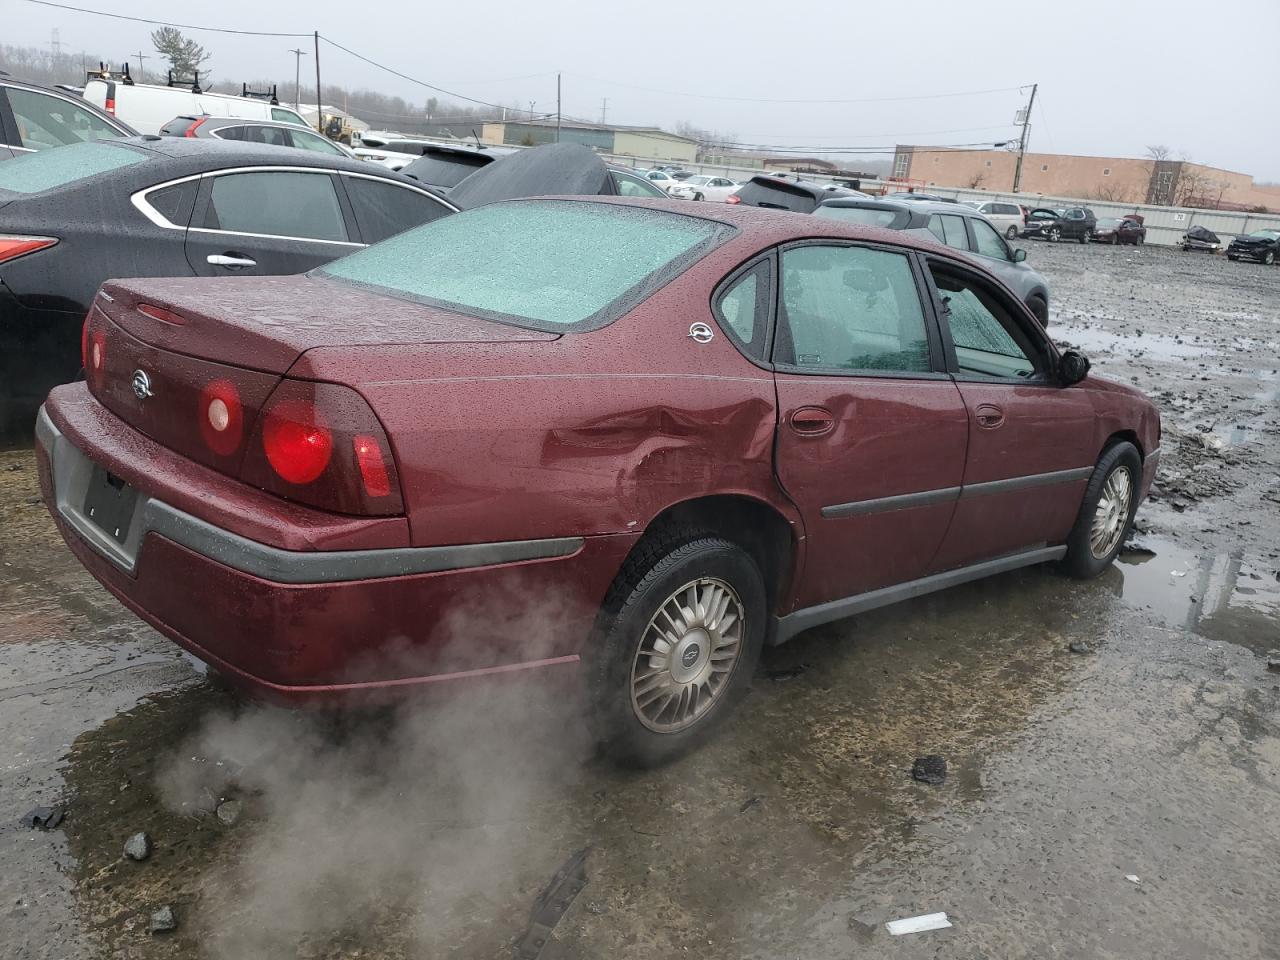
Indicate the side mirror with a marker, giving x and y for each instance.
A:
(1019, 255)
(1073, 367)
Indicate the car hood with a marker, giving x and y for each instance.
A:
(1254, 241)
(267, 323)
(552, 170)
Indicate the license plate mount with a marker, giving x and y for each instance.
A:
(109, 503)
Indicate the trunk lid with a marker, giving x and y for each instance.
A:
(266, 323)
(169, 346)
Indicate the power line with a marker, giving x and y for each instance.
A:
(902, 133)
(163, 23)
(711, 96)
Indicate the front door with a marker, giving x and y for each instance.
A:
(1030, 440)
(871, 438)
(267, 223)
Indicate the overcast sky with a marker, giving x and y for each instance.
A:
(1114, 76)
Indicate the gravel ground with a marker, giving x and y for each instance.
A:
(1117, 802)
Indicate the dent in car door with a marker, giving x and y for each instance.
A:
(1030, 440)
(267, 222)
(871, 435)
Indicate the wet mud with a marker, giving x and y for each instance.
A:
(799, 831)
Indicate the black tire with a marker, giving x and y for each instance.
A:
(1232, 258)
(651, 575)
(1114, 239)
(1011, 233)
(1269, 257)
(1041, 309)
(697, 196)
(1138, 240)
(1080, 561)
(1084, 237)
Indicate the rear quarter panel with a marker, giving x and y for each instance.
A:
(592, 433)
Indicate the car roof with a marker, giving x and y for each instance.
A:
(193, 150)
(889, 203)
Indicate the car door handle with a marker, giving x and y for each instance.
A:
(989, 416)
(231, 261)
(812, 421)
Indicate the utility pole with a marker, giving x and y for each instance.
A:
(142, 56)
(532, 104)
(319, 112)
(604, 109)
(298, 54)
(557, 108)
(1022, 141)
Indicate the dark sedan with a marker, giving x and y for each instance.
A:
(73, 217)
(1071, 223)
(1115, 230)
(1261, 245)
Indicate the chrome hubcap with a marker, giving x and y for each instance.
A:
(1112, 513)
(687, 654)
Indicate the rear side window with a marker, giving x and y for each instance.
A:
(46, 121)
(950, 230)
(443, 169)
(230, 133)
(174, 203)
(850, 308)
(743, 310)
(550, 264)
(304, 140)
(866, 216)
(33, 173)
(277, 203)
(385, 209)
(273, 136)
(286, 116)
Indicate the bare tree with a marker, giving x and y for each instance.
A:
(1111, 192)
(977, 179)
(1158, 152)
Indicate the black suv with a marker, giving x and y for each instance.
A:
(781, 193)
(1261, 245)
(1071, 223)
(36, 117)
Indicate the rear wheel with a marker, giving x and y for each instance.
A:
(1039, 308)
(1011, 233)
(1084, 237)
(685, 623)
(1106, 513)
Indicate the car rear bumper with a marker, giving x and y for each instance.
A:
(326, 625)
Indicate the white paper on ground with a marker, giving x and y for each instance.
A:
(930, 921)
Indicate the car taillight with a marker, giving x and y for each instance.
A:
(321, 444)
(191, 130)
(733, 198)
(221, 417)
(95, 366)
(12, 247)
(111, 106)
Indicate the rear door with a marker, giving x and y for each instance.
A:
(384, 208)
(1030, 440)
(268, 222)
(872, 432)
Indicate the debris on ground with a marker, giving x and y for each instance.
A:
(43, 818)
(1133, 878)
(138, 846)
(928, 921)
(162, 920)
(229, 811)
(1137, 548)
(931, 769)
(1079, 646)
(750, 802)
(786, 673)
(551, 905)
(1273, 661)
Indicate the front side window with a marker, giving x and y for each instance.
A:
(277, 203)
(46, 121)
(542, 263)
(982, 329)
(850, 308)
(384, 209)
(988, 242)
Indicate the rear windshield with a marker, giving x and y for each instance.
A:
(778, 195)
(867, 216)
(34, 172)
(444, 170)
(550, 265)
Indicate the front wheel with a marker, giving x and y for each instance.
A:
(1084, 237)
(1055, 234)
(1011, 233)
(1106, 513)
(697, 196)
(683, 630)
(1269, 257)
(1039, 309)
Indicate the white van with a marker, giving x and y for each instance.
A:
(147, 107)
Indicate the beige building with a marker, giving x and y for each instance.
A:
(1121, 179)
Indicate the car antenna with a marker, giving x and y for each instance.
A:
(479, 145)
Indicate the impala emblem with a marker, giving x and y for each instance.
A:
(141, 384)
(701, 333)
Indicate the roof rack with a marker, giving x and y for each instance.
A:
(104, 73)
(269, 95)
(193, 82)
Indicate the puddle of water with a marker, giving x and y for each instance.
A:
(1222, 596)
(1247, 430)
(1151, 345)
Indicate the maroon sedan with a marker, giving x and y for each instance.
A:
(607, 435)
